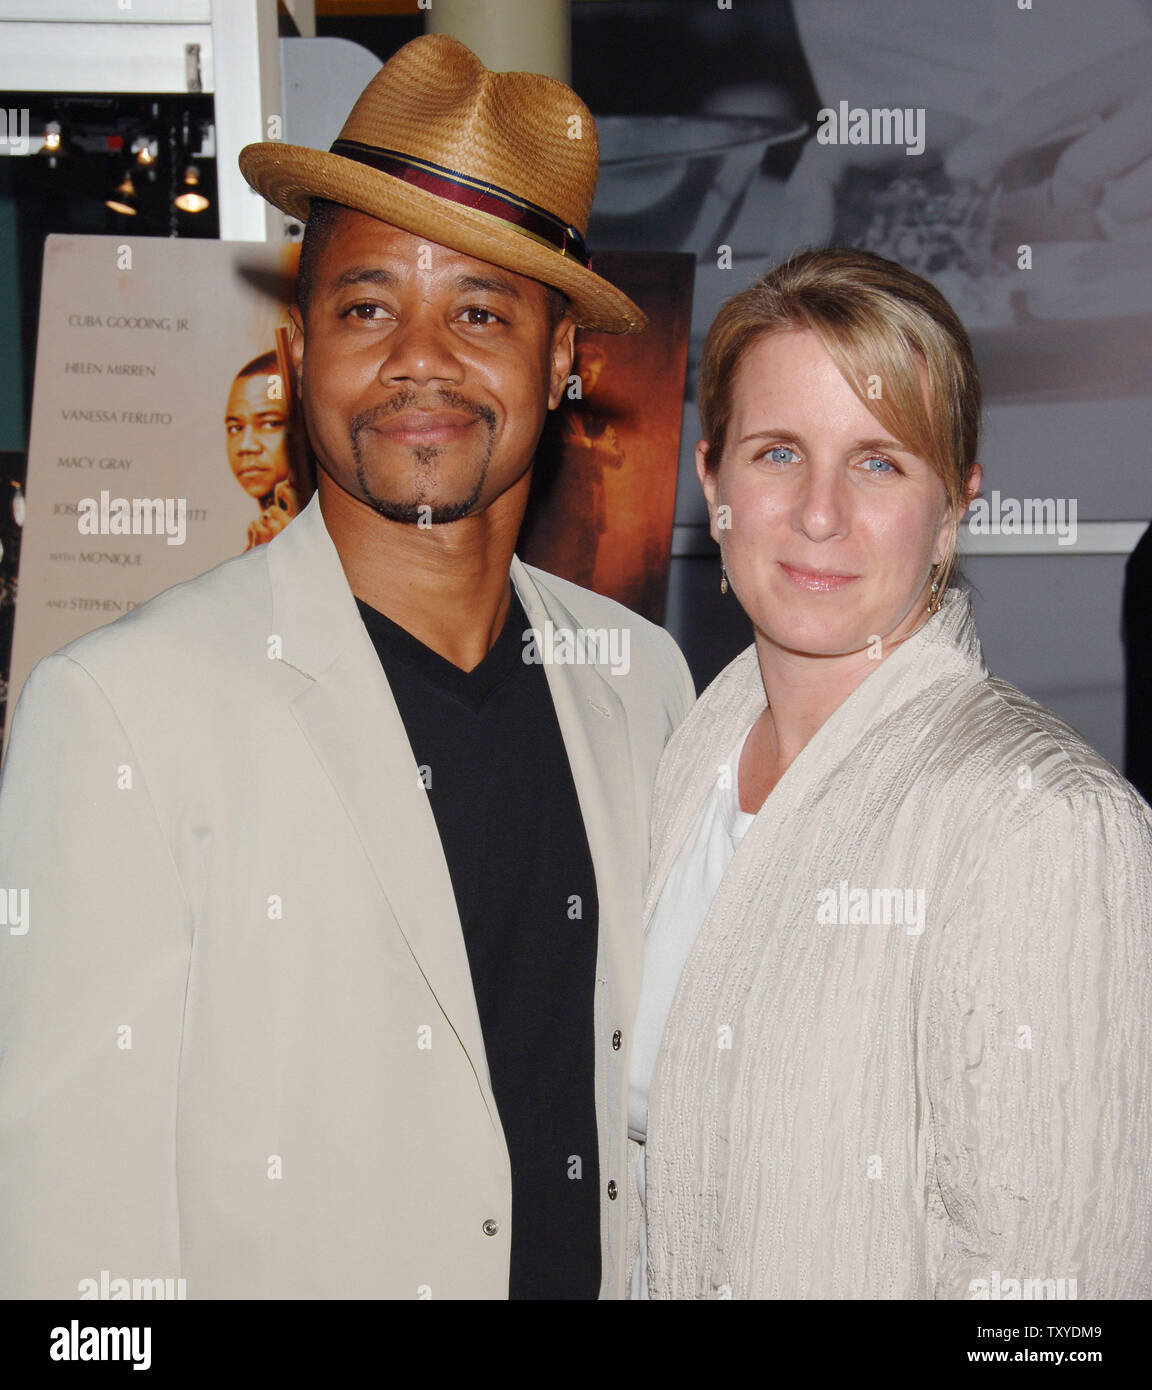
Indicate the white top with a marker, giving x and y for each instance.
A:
(679, 915)
(684, 903)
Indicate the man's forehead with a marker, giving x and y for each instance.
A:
(359, 239)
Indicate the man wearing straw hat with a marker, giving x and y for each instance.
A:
(334, 855)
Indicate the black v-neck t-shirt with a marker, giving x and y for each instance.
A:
(491, 755)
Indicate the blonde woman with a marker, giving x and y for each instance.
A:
(894, 1036)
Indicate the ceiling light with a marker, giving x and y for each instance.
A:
(124, 198)
(53, 149)
(191, 200)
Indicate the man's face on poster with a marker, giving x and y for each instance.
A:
(256, 436)
(589, 364)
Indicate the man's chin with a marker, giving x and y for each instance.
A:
(421, 513)
(444, 500)
(431, 506)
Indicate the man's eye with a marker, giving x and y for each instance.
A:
(364, 312)
(479, 316)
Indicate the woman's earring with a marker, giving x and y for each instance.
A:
(934, 599)
(723, 578)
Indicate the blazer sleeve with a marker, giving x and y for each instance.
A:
(1040, 1061)
(92, 989)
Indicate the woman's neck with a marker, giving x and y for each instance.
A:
(803, 692)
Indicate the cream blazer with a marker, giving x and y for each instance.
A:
(911, 1052)
(238, 1038)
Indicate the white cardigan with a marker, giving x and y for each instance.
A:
(934, 1105)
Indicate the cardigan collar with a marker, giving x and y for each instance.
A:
(945, 649)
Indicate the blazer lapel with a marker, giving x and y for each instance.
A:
(594, 727)
(349, 716)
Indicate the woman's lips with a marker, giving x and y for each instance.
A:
(425, 427)
(817, 581)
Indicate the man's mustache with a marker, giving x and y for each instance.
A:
(443, 399)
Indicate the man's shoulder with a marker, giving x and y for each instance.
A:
(194, 619)
(591, 609)
(653, 651)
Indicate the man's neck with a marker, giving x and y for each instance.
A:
(446, 584)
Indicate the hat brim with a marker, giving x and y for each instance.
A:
(290, 176)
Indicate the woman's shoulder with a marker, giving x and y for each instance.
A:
(724, 702)
(997, 742)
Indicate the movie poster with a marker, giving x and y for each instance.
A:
(162, 440)
(604, 489)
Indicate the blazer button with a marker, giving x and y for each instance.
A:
(612, 1191)
(617, 1039)
(491, 1228)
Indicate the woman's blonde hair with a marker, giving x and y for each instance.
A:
(882, 326)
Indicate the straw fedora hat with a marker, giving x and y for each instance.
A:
(499, 165)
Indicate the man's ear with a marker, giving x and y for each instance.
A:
(563, 356)
(296, 345)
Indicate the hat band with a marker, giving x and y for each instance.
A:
(518, 213)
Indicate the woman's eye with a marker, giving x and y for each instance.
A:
(884, 465)
(781, 453)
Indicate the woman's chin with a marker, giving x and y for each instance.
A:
(831, 624)
(827, 637)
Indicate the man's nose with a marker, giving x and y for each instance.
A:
(421, 349)
(250, 442)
